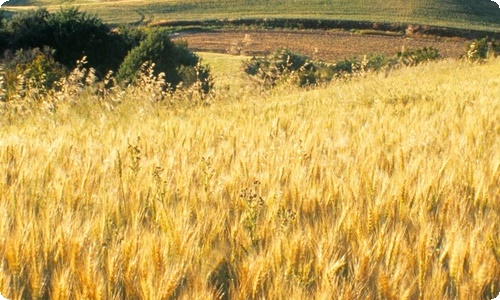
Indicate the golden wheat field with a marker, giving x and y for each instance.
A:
(385, 186)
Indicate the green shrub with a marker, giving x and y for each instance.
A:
(416, 57)
(287, 61)
(285, 65)
(480, 50)
(73, 34)
(77, 34)
(199, 75)
(173, 59)
(30, 30)
(130, 36)
(281, 65)
(346, 66)
(379, 62)
(36, 67)
(5, 35)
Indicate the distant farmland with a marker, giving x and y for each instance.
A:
(327, 46)
(361, 177)
(474, 15)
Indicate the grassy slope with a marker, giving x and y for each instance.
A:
(380, 187)
(472, 14)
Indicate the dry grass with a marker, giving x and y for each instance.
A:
(375, 188)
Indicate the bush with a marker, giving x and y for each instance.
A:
(130, 36)
(73, 34)
(416, 57)
(174, 60)
(480, 50)
(379, 62)
(30, 30)
(281, 65)
(285, 65)
(199, 75)
(77, 34)
(35, 67)
(5, 35)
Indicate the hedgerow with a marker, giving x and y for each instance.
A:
(175, 60)
(482, 49)
(287, 66)
(71, 35)
(35, 67)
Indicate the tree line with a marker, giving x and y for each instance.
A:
(45, 46)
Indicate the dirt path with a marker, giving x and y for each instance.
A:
(324, 45)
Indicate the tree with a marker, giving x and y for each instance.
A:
(35, 65)
(30, 30)
(73, 34)
(169, 58)
(5, 35)
(77, 34)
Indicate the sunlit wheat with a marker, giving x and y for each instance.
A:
(378, 187)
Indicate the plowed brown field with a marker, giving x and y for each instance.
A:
(328, 46)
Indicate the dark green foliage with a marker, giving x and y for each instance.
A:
(199, 74)
(5, 35)
(76, 34)
(495, 47)
(284, 65)
(2, 19)
(287, 61)
(346, 66)
(35, 66)
(378, 62)
(175, 60)
(482, 49)
(281, 64)
(73, 34)
(370, 63)
(415, 57)
(222, 278)
(130, 36)
(30, 29)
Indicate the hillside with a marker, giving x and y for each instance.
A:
(465, 14)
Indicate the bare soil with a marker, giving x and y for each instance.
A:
(329, 46)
